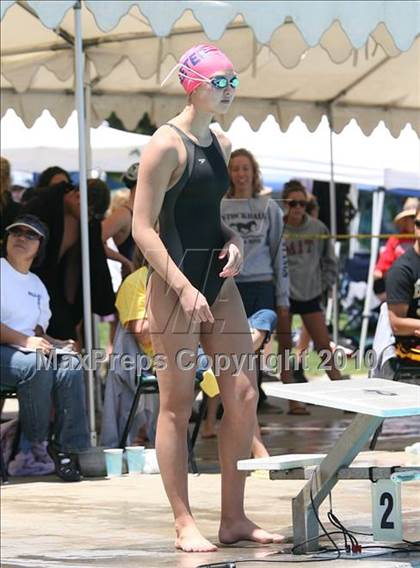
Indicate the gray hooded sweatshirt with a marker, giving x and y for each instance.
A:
(259, 221)
(312, 262)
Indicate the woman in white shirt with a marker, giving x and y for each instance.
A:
(25, 314)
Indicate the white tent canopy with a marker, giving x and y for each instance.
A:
(287, 55)
(344, 59)
(377, 160)
(45, 144)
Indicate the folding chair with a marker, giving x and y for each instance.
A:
(146, 384)
(5, 393)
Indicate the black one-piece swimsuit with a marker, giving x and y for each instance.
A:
(190, 221)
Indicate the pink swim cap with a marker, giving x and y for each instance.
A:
(201, 61)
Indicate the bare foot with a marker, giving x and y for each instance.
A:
(189, 539)
(244, 529)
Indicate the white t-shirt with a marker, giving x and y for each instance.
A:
(24, 300)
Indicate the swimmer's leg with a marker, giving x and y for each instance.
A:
(238, 388)
(170, 335)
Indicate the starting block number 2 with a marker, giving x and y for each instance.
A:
(386, 511)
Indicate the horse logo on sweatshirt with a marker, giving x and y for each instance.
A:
(245, 228)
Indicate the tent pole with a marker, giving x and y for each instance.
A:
(84, 221)
(333, 223)
(88, 102)
(95, 318)
(377, 213)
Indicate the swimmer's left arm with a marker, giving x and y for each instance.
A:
(233, 250)
(234, 247)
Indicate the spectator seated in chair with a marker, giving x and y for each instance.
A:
(395, 245)
(132, 338)
(24, 346)
(403, 301)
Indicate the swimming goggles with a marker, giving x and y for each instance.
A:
(219, 82)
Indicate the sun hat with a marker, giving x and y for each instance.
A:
(409, 209)
(31, 222)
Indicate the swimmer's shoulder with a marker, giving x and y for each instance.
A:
(164, 144)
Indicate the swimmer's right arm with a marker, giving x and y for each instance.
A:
(159, 161)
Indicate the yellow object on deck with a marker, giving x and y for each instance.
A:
(209, 384)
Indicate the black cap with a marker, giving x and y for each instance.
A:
(129, 178)
(31, 222)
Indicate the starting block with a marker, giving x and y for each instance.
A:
(372, 400)
(281, 463)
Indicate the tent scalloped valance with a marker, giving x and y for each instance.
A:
(358, 18)
(29, 106)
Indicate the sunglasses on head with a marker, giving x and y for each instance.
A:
(30, 235)
(417, 223)
(69, 186)
(221, 82)
(297, 202)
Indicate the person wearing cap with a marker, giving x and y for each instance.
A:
(58, 207)
(403, 299)
(395, 246)
(25, 314)
(118, 226)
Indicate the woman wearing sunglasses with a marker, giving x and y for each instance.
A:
(312, 268)
(25, 314)
(192, 295)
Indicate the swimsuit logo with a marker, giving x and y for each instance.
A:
(201, 160)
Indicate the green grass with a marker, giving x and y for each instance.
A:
(314, 367)
(104, 329)
(351, 366)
